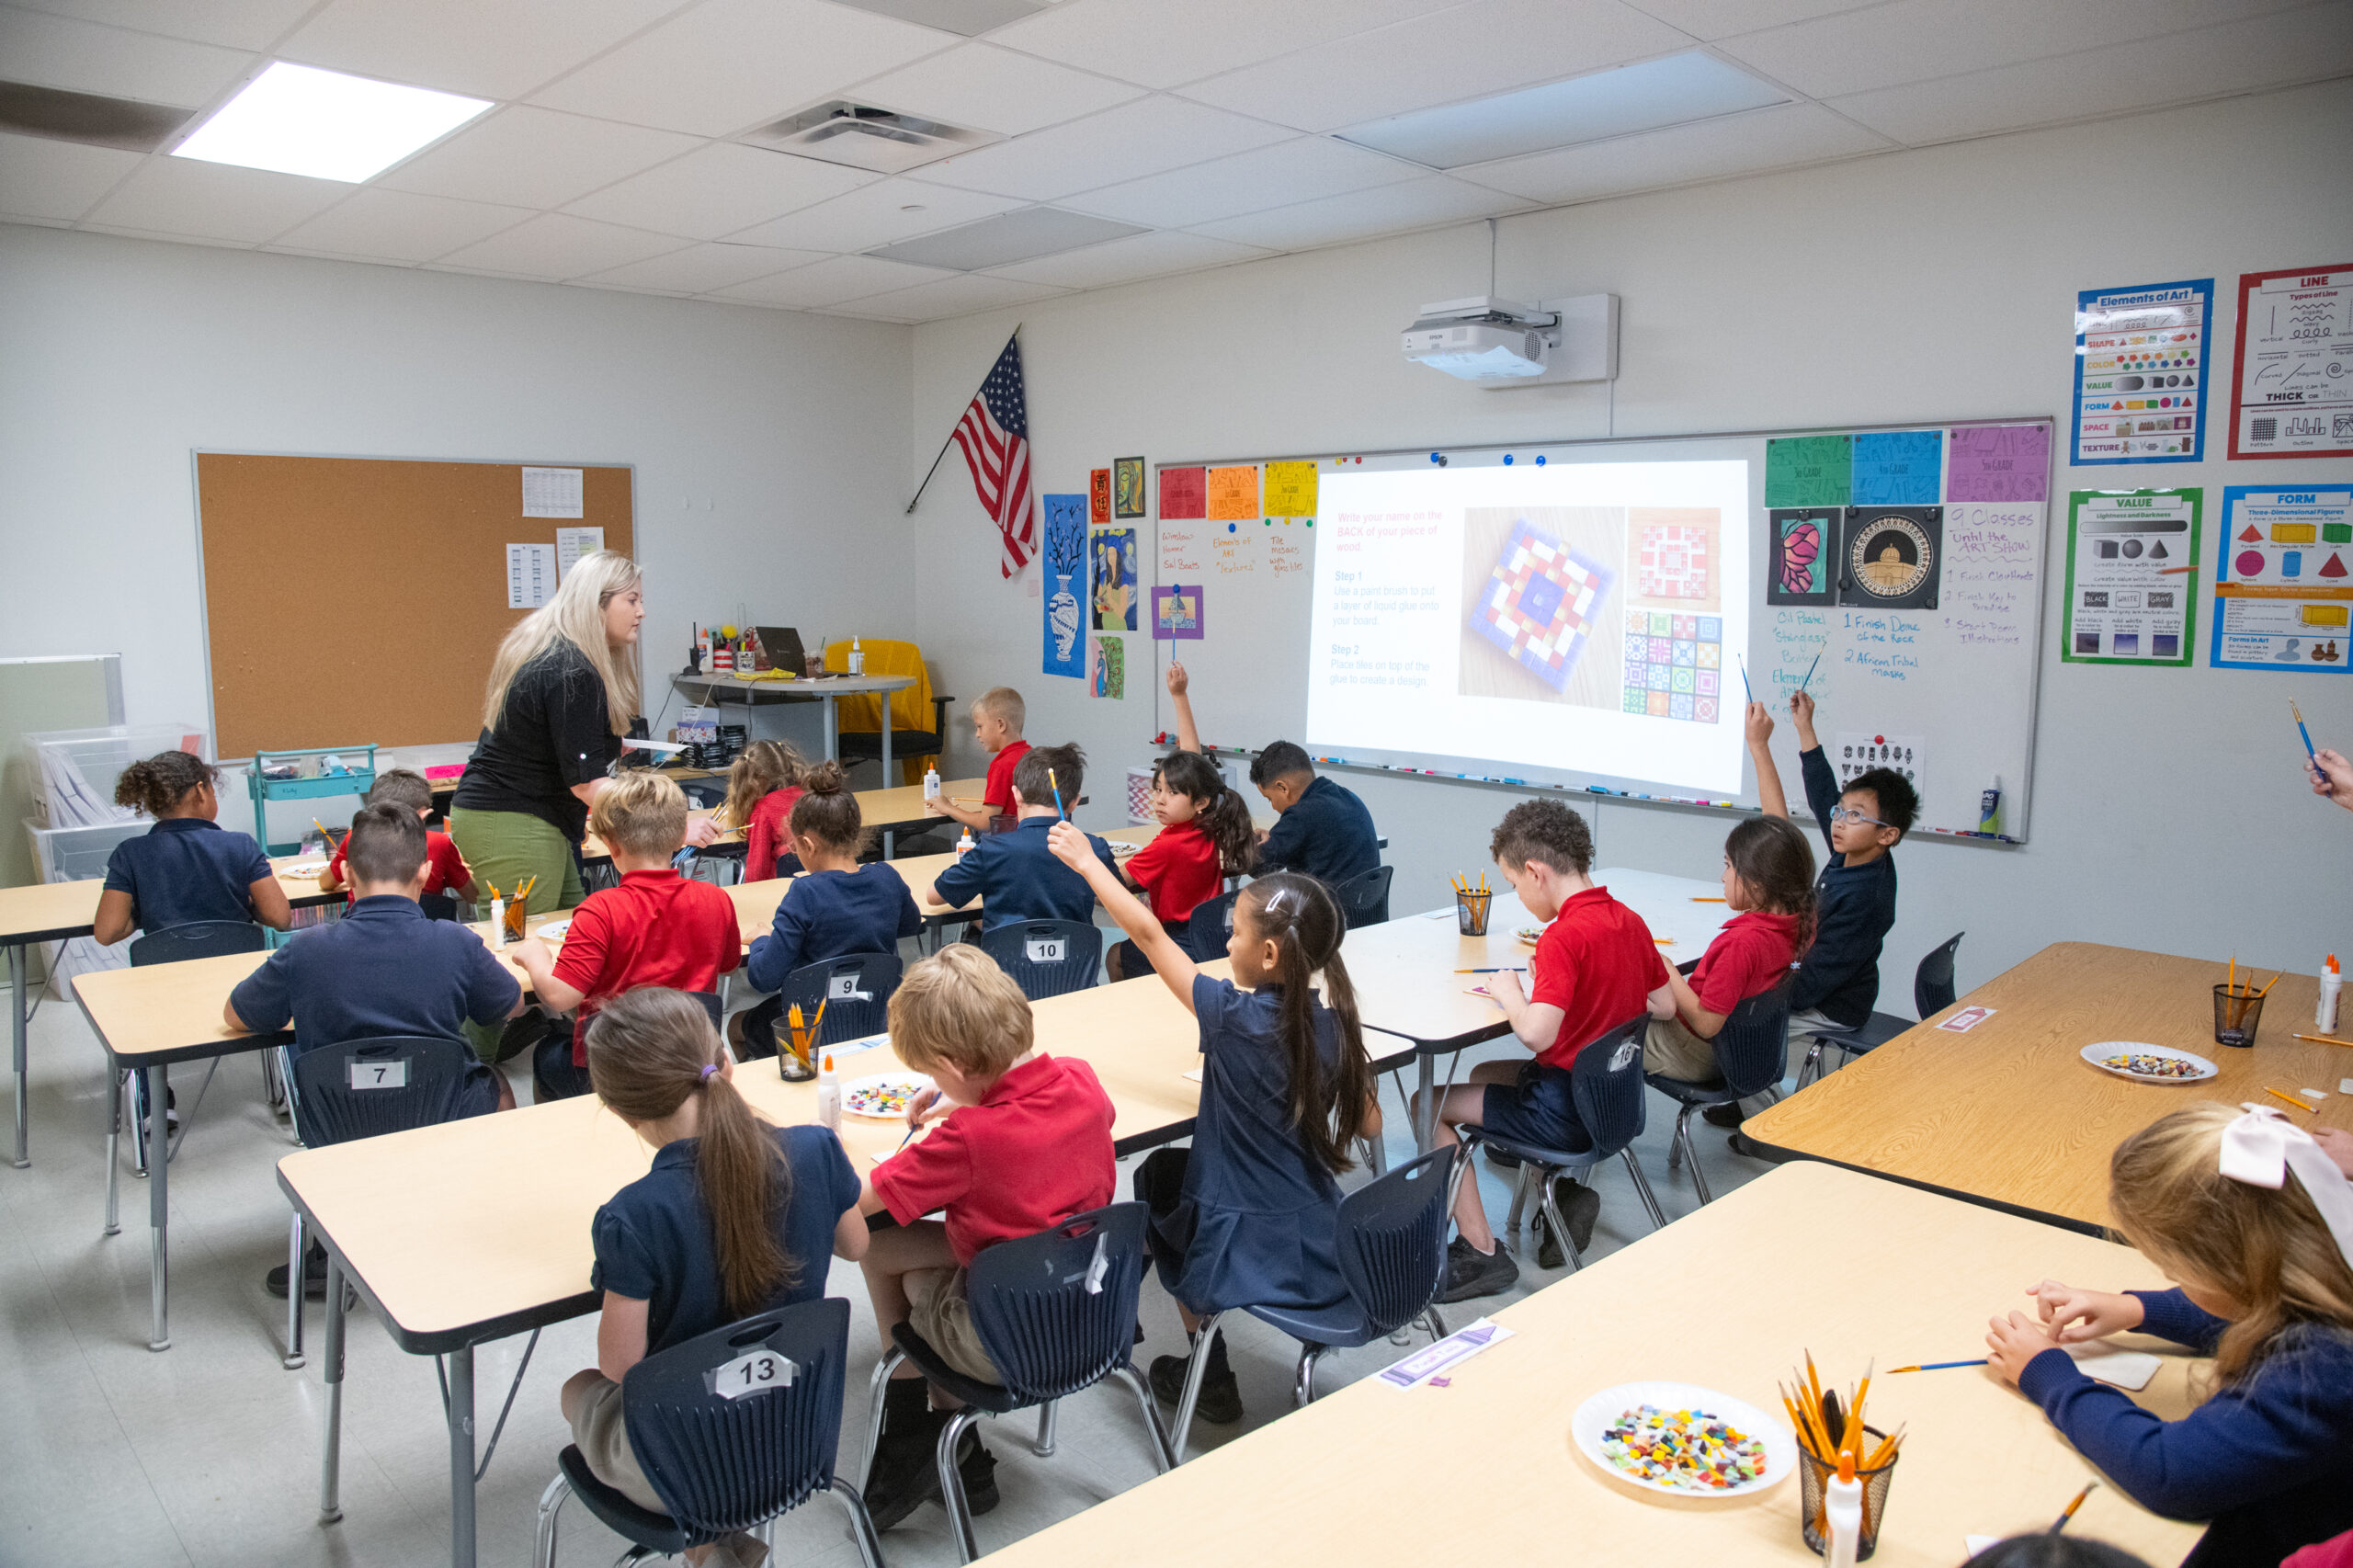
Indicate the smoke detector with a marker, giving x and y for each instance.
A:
(863, 136)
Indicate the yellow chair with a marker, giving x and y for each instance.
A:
(918, 719)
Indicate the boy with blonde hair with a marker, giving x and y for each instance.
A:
(998, 714)
(1027, 1143)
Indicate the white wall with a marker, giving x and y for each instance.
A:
(769, 444)
(1921, 286)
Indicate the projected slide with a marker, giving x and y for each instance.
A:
(1582, 616)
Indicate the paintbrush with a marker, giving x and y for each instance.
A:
(2069, 1513)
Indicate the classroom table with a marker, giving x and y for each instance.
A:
(720, 690)
(1491, 1452)
(882, 811)
(2009, 1115)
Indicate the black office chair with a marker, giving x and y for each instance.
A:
(1047, 958)
(1751, 1051)
(721, 1458)
(865, 745)
(1364, 899)
(1932, 992)
(173, 944)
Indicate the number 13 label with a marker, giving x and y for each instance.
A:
(758, 1372)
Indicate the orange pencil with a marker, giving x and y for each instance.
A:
(2290, 1098)
(2267, 985)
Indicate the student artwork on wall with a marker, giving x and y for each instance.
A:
(2131, 577)
(1858, 753)
(1113, 576)
(2140, 372)
(2283, 579)
(1099, 496)
(1233, 493)
(1290, 490)
(1890, 557)
(1127, 487)
(1802, 541)
(2293, 375)
(1110, 666)
(1065, 558)
(1177, 614)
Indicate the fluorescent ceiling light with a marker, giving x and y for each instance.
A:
(1008, 237)
(1673, 91)
(300, 121)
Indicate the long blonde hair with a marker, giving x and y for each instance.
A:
(765, 767)
(2271, 1252)
(577, 615)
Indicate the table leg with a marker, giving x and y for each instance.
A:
(159, 1208)
(833, 742)
(331, 1466)
(1426, 1124)
(889, 839)
(461, 1457)
(16, 1025)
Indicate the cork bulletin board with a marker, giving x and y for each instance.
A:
(359, 600)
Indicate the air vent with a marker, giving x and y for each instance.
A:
(865, 137)
(1008, 237)
(970, 17)
(88, 117)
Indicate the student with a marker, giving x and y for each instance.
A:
(445, 869)
(762, 785)
(1015, 875)
(1320, 828)
(186, 867)
(656, 928)
(2045, 1550)
(997, 717)
(735, 1219)
(1205, 837)
(2254, 1225)
(1249, 1216)
(1027, 1143)
(839, 906)
(1595, 967)
(1768, 886)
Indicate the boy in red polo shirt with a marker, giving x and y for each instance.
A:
(445, 869)
(998, 714)
(656, 928)
(1595, 967)
(1027, 1142)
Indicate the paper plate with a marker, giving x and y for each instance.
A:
(1591, 1424)
(553, 930)
(2097, 1056)
(302, 869)
(871, 1096)
(1530, 935)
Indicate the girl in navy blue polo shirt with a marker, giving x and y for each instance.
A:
(186, 867)
(736, 1218)
(1249, 1215)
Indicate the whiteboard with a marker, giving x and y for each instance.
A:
(1946, 693)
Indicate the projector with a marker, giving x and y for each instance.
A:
(1501, 343)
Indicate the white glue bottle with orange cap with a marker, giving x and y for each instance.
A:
(2331, 981)
(829, 1092)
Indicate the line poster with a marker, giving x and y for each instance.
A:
(2293, 374)
(2283, 578)
(2131, 576)
(2140, 372)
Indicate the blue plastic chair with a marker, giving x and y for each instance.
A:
(1047, 958)
(855, 989)
(1364, 899)
(1392, 1257)
(1057, 1314)
(723, 1465)
(1211, 923)
(1605, 1085)
(1932, 992)
(1751, 1051)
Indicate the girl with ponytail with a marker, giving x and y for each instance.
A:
(1205, 837)
(736, 1217)
(1249, 1215)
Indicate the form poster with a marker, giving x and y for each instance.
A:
(2131, 576)
(2283, 578)
(2140, 372)
(2293, 373)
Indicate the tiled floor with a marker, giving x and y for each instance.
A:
(207, 1455)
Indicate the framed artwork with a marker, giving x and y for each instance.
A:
(1127, 487)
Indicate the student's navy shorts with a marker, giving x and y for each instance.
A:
(1537, 1111)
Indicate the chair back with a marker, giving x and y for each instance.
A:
(855, 989)
(711, 1004)
(1753, 1048)
(706, 794)
(719, 1463)
(1392, 1240)
(1212, 923)
(198, 939)
(910, 706)
(599, 876)
(1057, 1310)
(439, 905)
(1606, 1086)
(716, 866)
(364, 1087)
(1046, 958)
(1932, 984)
(1364, 899)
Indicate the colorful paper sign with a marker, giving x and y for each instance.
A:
(1290, 490)
(2292, 380)
(1112, 578)
(2140, 372)
(2000, 462)
(1898, 468)
(2131, 577)
(1233, 493)
(1176, 613)
(1809, 471)
(1183, 493)
(1099, 496)
(2283, 579)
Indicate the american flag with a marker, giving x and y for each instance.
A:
(995, 437)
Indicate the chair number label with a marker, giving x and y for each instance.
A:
(844, 988)
(758, 1372)
(1046, 949)
(379, 1074)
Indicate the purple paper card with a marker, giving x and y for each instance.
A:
(2000, 462)
(1177, 614)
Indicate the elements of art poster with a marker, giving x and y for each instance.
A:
(1177, 614)
(2140, 372)
(1127, 487)
(2131, 577)
(1099, 496)
(1113, 579)
(1801, 547)
(1111, 664)
(1065, 558)
(2283, 579)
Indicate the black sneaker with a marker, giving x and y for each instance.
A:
(1580, 1206)
(976, 1467)
(1502, 1159)
(315, 1276)
(1470, 1273)
(1724, 1115)
(906, 1473)
(1220, 1403)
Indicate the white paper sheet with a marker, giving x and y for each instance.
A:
(530, 575)
(571, 544)
(553, 492)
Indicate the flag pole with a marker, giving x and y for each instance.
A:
(945, 445)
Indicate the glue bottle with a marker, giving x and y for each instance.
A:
(1842, 1509)
(2331, 981)
(931, 783)
(964, 844)
(498, 923)
(829, 1093)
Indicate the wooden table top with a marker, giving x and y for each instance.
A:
(2009, 1113)
(881, 809)
(1493, 1448)
(724, 687)
(48, 912)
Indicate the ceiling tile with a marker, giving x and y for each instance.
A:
(182, 196)
(233, 24)
(832, 282)
(1488, 46)
(993, 89)
(1391, 209)
(1141, 138)
(875, 215)
(1129, 260)
(400, 225)
(727, 65)
(719, 189)
(699, 269)
(2236, 57)
(1298, 170)
(950, 297)
(58, 181)
(492, 49)
(1162, 42)
(1913, 40)
(81, 57)
(557, 245)
(1740, 143)
(1721, 19)
(534, 157)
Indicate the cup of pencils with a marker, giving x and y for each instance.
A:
(2238, 1007)
(796, 1055)
(1832, 1435)
(1471, 903)
(517, 902)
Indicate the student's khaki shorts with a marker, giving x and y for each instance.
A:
(599, 1432)
(1676, 1053)
(936, 1309)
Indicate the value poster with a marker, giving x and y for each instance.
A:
(2140, 372)
(2283, 579)
(2131, 576)
(2293, 374)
